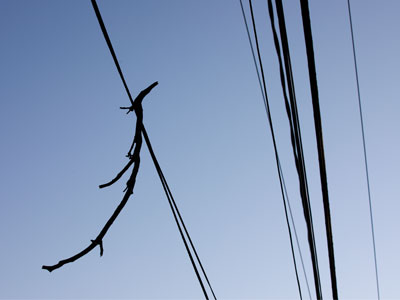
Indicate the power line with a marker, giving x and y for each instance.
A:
(173, 205)
(266, 103)
(110, 47)
(280, 168)
(297, 239)
(171, 201)
(254, 57)
(320, 145)
(292, 113)
(365, 150)
(291, 110)
(289, 75)
(176, 213)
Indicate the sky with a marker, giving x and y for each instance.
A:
(62, 134)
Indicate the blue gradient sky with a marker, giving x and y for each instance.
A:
(62, 134)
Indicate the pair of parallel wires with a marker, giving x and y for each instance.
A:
(174, 208)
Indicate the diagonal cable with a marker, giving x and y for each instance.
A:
(110, 47)
(173, 205)
(319, 137)
(171, 201)
(365, 151)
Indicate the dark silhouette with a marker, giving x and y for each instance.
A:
(295, 132)
(134, 158)
(305, 13)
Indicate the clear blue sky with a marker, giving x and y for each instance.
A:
(62, 134)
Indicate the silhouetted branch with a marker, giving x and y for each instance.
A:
(119, 175)
(136, 103)
(138, 100)
(130, 184)
(99, 238)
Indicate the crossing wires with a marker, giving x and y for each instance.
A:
(174, 208)
(295, 132)
(286, 197)
(263, 88)
(288, 88)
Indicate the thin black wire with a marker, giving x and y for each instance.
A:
(110, 47)
(254, 57)
(365, 150)
(264, 93)
(319, 137)
(280, 168)
(162, 178)
(297, 238)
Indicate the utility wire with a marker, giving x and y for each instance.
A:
(295, 132)
(289, 75)
(291, 109)
(110, 47)
(176, 214)
(297, 238)
(320, 145)
(280, 168)
(253, 55)
(171, 201)
(365, 150)
(265, 97)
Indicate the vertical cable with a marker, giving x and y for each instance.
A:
(365, 150)
(297, 239)
(280, 168)
(283, 178)
(266, 103)
(320, 145)
(297, 151)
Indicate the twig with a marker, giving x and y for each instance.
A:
(119, 175)
(130, 184)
